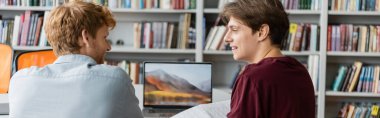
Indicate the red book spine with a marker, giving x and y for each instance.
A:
(329, 32)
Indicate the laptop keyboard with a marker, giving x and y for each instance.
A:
(160, 112)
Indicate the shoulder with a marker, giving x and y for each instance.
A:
(277, 64)
(278, 67)
(27, 72)
(107, 70)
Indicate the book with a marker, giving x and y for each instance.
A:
(350, 70)
(351, 109)
(25, 28)
(43, 38)
(339, 78)
(353, 84)
(362, 78)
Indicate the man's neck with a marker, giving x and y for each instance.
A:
(269, 52)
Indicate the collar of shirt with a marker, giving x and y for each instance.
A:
(77, 58)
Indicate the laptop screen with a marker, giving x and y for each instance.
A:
(176, 84)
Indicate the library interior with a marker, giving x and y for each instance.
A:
(337, 41)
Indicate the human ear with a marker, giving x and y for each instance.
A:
(263, 32)
(85, 38)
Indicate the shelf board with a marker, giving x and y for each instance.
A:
(23, 8)
(351, 94)
(302, 53)
(156, 51)
(120, 10)
(217, 52)
(355, 13)
(354, 54)
(29, 48)
(211, 10)
(303, 12)
(288, 53)
(292, 12)
(119, 50)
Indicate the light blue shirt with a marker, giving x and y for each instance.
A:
(74, 86)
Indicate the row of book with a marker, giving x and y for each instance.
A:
(355, 38)
(149, 4)
(164, 34)
(289, 4)
(131, 4)
(354, 5)
(312, 66)
(6, 31)
(214, 40)
(302, 4)
(24, 30)
(357, 78)
(359, 110)
(42, 3)
(302, 37)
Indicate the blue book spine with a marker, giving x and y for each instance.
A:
(365, 89)
(358, 5)
(370, 79)
(367, 80)
(339, 78)
(128, 4)
(361, 79)
(142, 4)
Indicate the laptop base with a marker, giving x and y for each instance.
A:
(160, 112)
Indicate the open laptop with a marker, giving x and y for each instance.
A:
(171, 87)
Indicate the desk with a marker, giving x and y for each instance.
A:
(218, 95)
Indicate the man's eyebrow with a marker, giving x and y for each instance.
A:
(233, 26)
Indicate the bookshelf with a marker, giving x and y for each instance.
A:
(335, 59)
(224, 67)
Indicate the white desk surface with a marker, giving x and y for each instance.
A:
(217, 95)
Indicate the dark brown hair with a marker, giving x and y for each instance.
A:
(255, 13)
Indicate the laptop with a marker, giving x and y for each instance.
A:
(171, 87)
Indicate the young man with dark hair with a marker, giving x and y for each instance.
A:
(272, 85)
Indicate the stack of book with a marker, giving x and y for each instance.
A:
(357, 78)
(354, 5)
(302, 37)
(359, 110)
(148, 4)
(164, 34)
(355, 38)
(29, 3)
(302, 4)
(24, 30)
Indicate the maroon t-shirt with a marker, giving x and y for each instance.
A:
(276, 87)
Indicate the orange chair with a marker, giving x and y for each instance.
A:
(35, 58)
(6, 53)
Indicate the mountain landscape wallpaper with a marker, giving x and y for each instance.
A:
(163, 88)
